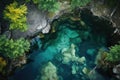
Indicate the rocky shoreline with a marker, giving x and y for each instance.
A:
(40, 22)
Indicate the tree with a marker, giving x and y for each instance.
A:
(13, 48)
(16, 14)
(48, 5)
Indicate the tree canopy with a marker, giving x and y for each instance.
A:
(48, 5)
(13, 48)
(16, 14)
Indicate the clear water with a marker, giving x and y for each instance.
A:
(87, 45)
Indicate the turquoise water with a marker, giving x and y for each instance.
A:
(86, 42)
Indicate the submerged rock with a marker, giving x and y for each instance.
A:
(91, 51)
(70, 33)
(69, 55)
(74, 69)
(48, 72)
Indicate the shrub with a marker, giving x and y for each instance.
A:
(114, 53)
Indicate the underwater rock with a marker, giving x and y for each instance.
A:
(85, 71)
(74, 69)
(49, 72)
(91, 51)
(70, 33)
(69, 55)
(79, 71)
(76, 40)
(64, 38)
(62, 41)
(82, 60)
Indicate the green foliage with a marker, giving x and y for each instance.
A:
(54, 5)
(13, 48)
(48, 5)
(79, 3)
(112, 3)
(114, 53)
(16, 14)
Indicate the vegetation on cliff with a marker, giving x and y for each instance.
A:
(48, 5)
(16, 14)
(54, 5)
(107, 59)
(13, 48)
